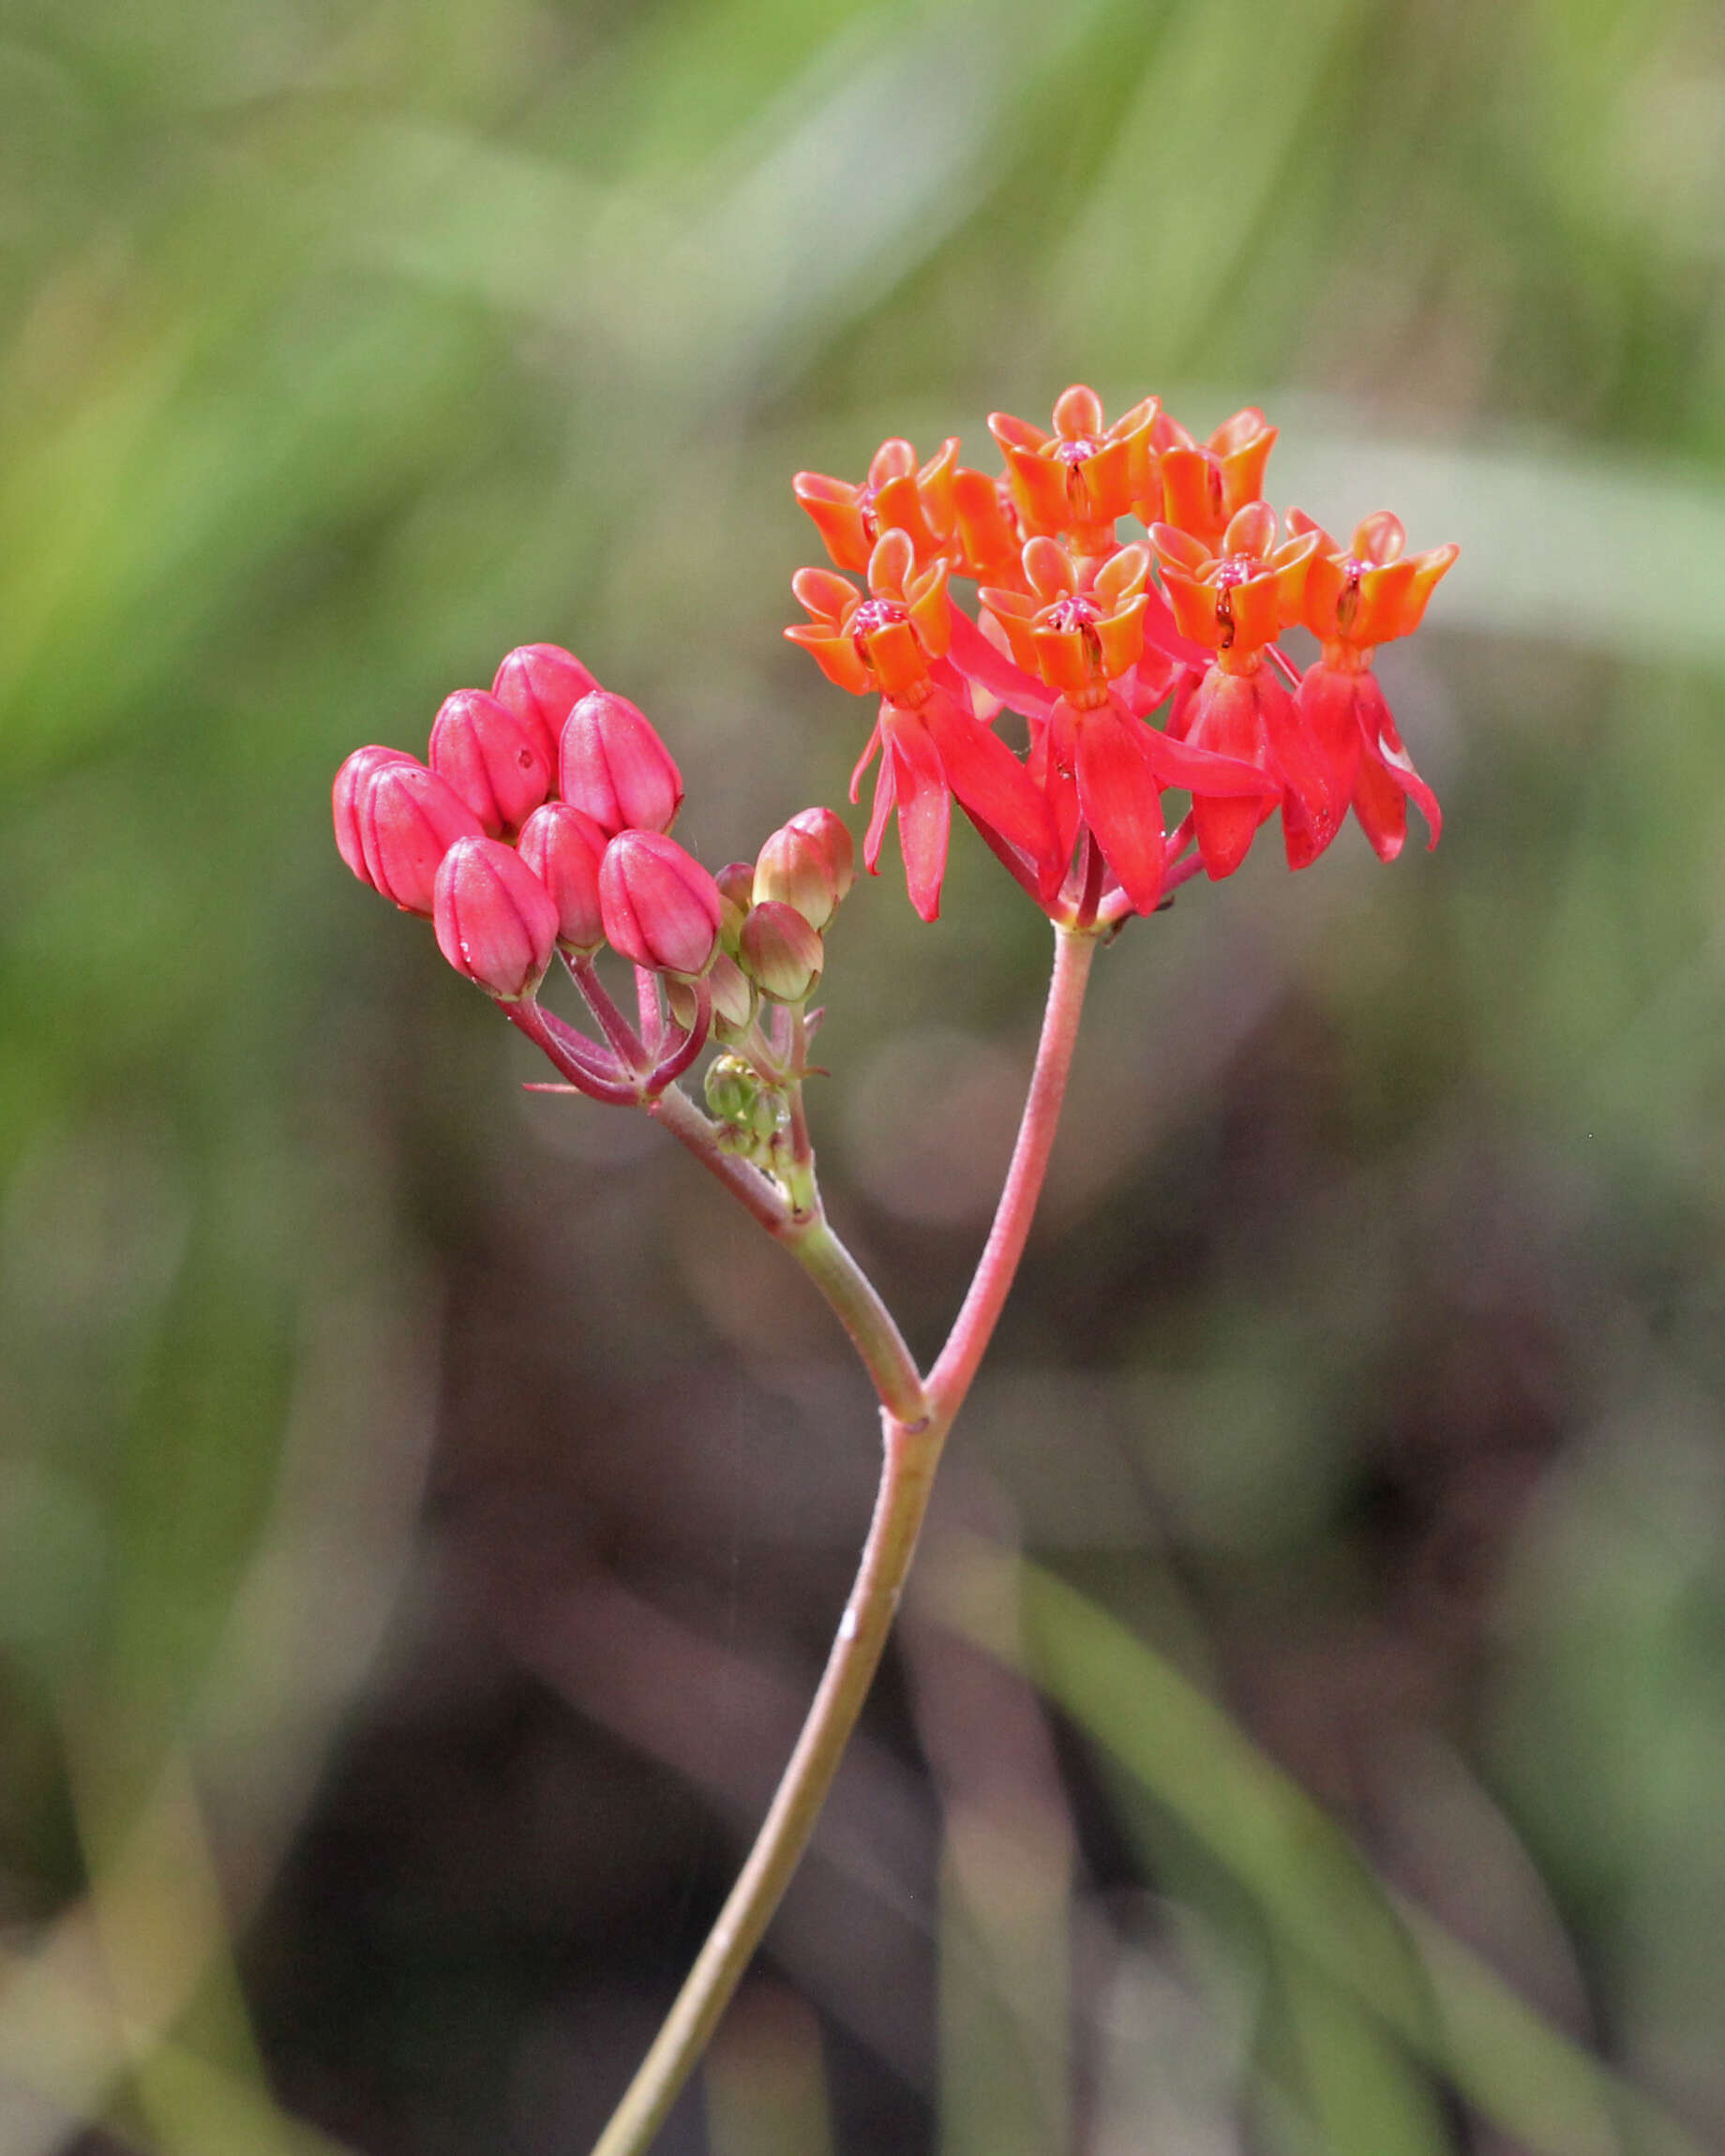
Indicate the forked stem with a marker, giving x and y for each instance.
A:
(915, 1419)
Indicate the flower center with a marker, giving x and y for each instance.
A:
(871, 617)
(1073, 613)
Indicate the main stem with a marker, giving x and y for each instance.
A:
(915, 1419)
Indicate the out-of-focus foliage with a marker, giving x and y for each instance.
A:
(1369, 1364)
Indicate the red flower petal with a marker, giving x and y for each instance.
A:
(924, 808)
(1117, 793)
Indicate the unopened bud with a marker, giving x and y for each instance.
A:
(834, 836)
(491, 757)
(796, 867)
(739, 1097)
(736, 882)
(733, 998)
(660, 907)
(780, 952)
(563, 848)
(408, 821)
(495, 920)
(347, 796)
(542, 683)
(615, 768)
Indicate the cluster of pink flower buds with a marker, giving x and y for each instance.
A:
(1088, 639)
(539, 825)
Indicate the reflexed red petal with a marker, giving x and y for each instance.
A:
(864, 761)
(1381, 808)
(886, 801)
(989, 780)
(974, 656)
(1205, 771)
(1117, 793)
(1298, 757)
(924, 809)
(1397, 766)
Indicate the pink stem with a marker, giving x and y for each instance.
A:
(950, 1379)
(615, 1026)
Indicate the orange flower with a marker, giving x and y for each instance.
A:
(1240, 599)
(895, 497)
(1076, 640)
(1369, 591)
(1202, 485)
(1084, 475)
(882, 643)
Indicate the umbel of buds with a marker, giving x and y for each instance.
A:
(540, 826)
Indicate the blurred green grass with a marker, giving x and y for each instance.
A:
(347, 344)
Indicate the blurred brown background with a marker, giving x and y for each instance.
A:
(425, 1506)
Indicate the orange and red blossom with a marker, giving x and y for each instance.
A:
(1358, 598)
(1241, 596)
(1369, 591)
(1238, 601)
(885, 641)
(897, 496)
(1199, 487)
(933, 748)
(1084, 475)
(1075, 637)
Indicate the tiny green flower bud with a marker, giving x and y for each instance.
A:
(738, 1096)
(780, 952)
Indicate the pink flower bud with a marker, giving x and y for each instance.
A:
(661, 908)
(563, 848)
(496, 922)
(797, 867)
(541, 683)
(408, 821)
(491, 758)
(736, 882)
(733, 998)
(780, 952)
(347, 796)
(833, 837)
(616, 768)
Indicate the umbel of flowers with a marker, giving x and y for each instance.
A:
(1141, 669)
(537, 829)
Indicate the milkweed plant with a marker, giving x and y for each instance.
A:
(537, 833)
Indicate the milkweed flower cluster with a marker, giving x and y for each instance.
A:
(539, 824)
(1141, 668)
